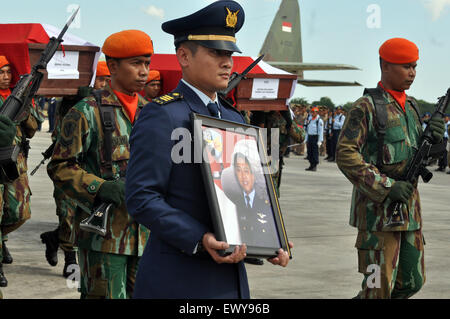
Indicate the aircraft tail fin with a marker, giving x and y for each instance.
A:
(283, 41)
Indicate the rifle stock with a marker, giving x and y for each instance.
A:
(16, 105)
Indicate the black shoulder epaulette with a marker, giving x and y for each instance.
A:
(168, 98)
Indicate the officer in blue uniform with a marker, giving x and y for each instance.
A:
(314, 138)
(442, 164)
(336, 126)
(181, 259)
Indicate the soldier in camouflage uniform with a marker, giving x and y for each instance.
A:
(7, 134)
(64, 235)
(16, 194)
(300, 116)
(288, 128)
(78, 166)
(448, 144)
(391, 258)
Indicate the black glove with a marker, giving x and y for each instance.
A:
(437, 127)
(7, 131)
(401, 192)
(112, 192)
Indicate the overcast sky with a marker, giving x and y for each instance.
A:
(333, 31)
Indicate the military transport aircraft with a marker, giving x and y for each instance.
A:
(283, 48)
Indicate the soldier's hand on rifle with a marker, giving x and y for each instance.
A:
(437, 127)
(401, 192)
(7, 131)
(112, 192)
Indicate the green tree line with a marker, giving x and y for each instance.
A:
(424, 106)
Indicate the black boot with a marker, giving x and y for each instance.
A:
(51, 241)
(3, 281)
(7, 258)
(69, 259)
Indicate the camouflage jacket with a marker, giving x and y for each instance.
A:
(76, 167)
(356, 157)
(17, 194)
(274, 119)
(296, 131)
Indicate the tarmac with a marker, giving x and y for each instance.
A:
(315, 207)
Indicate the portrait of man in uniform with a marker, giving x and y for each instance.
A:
(244, 184)
(255, 217)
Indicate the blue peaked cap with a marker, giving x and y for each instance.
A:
(214, 26)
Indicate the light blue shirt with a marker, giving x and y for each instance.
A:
(446, 129)
(338, 122)
(205, 98)
(252, 197)
(424, 126)
(315, 127)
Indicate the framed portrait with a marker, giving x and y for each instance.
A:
(239, 186)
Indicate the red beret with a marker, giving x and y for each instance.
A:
(3, 61)
(153, 75)
(315, 108)
(102, 69)
(128, 44)
(399, 51)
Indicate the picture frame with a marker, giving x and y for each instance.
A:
(240, 190)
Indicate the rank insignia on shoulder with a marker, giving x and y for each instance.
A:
(168, 98)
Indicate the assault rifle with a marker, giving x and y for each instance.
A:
(417, 166)
(16, 105)
(47, 154)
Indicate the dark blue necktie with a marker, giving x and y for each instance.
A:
(248, 201)
(213, 109)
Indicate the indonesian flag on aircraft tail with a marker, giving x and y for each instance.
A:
(286, 27)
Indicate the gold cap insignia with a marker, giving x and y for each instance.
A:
(231, 19)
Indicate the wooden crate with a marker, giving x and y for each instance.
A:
(62, 87)
(244, 93)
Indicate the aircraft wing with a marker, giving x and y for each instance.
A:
(294, 67)
(306, 82)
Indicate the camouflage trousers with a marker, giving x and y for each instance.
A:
(392, 263)
(16, 204)
(10, 227)
(65, 210)
(106, 276)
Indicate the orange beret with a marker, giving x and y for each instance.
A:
(3, 61)
(315, 108)
(399, 51)
(102, 69)
(128, 44)
(153, 75)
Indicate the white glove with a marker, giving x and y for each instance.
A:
(319, 144)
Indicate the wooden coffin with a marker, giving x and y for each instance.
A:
(63, 87)
(245, 88)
